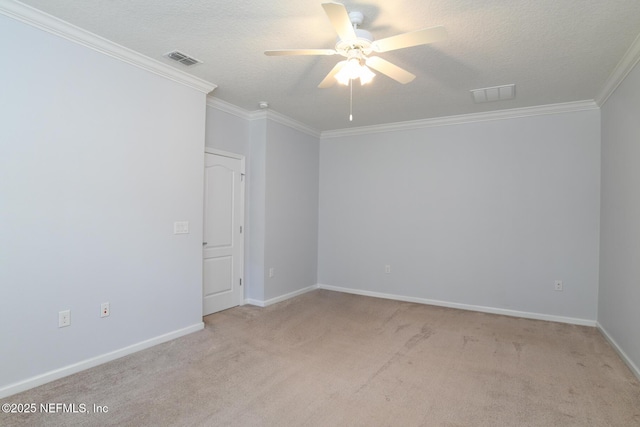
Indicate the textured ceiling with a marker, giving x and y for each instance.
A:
(555, 51)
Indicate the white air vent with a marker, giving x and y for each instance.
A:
(182, 58)
(495, 93)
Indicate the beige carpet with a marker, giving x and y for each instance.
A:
(332, 359)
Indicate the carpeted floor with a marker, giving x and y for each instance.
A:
(333, 359)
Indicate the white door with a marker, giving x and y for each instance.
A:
(222, 247)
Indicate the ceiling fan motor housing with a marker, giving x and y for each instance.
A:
(362, 43)
(364, 34)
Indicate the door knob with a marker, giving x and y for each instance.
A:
(204, 243)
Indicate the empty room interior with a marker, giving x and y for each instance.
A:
(305, 213)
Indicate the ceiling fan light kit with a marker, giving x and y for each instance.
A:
(358, 46)
(354, 69)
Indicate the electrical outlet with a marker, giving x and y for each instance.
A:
(558, 285)
(104, 309)
(272, 272)
(64, 318)
(387, 269)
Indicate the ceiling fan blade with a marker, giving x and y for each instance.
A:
(339, 18)
(385, 67)
(414, 38)
(330, 80)
(290, 52)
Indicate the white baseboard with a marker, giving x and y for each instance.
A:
(94, 361)
(281, 298)
(252, 301)
(480, 308)
(619, 350)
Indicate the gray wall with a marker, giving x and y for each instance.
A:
(619, 297)
(291, 238)
(281, 202)
(227, 132)
(486, 214)
(97, 160)
(254, 239)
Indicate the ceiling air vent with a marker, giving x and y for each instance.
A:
(182, 58)
(495, 93)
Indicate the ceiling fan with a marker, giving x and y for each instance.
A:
(358, 46)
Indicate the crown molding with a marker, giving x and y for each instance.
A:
(294, 124)
(274, 116)
(464, 118)
(567, 107)
(624, 67)
(41, 20)
(226, 107)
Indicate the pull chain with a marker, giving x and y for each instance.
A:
(350, 100)
(355, 27)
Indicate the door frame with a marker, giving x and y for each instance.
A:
(240, 157)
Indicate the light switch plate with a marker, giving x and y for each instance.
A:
(181, 227)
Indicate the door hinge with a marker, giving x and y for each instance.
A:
(240, 229)
(241, 177)
(241, 281)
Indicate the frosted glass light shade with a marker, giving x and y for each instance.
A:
(353, 70)
(366, 75)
